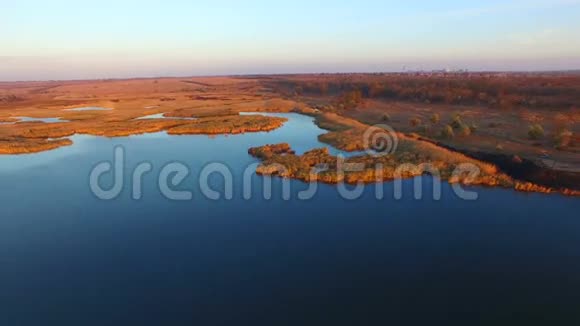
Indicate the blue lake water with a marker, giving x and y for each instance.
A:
(68, 258)
(29, 119)
(152, 116)
(162, 116)
(89, 108)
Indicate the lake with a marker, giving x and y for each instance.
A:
(88, 108)
(69, 258)
(162, 116)
(29, 119)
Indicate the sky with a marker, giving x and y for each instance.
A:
(64, 39)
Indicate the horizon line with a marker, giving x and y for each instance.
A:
(455, 71)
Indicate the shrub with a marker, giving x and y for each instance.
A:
(435, 118)
(386, 117)
(536, 131)
(447, 132)
(473, 127)
(415, 122)
(465, 130)
(351, 99)
(563, 138)
(457, 123)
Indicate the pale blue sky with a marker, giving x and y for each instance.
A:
(62, 39)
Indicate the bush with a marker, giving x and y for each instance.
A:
(563, 138)
(474, 128)
(536, 132)
(351, 99)
(386, 117)
(435, 118)
(447, 132)
(457, 123)
(465, 130)
(415, 122)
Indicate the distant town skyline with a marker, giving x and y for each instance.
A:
(64, 39)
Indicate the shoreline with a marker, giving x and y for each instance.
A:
(281, 161)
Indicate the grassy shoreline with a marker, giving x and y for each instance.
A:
(413, 157)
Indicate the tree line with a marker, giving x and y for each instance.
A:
(548, 92)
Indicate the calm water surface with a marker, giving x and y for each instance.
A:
(89, 108)
(29, 119)
(162, 116)
(67, 258)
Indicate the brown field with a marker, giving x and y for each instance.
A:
(496, 110)
(521, 126)
(205, 98)
(527, 124)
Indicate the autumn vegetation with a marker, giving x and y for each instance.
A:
(215, 102)
(441, 119)
(318, 165)
(228, 125)
(26, 146)
(493, 90)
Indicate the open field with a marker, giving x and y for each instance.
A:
(521, 127)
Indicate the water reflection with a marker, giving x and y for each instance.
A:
(89, 108)
(162, 116)
(30, 119)
(64, 252)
